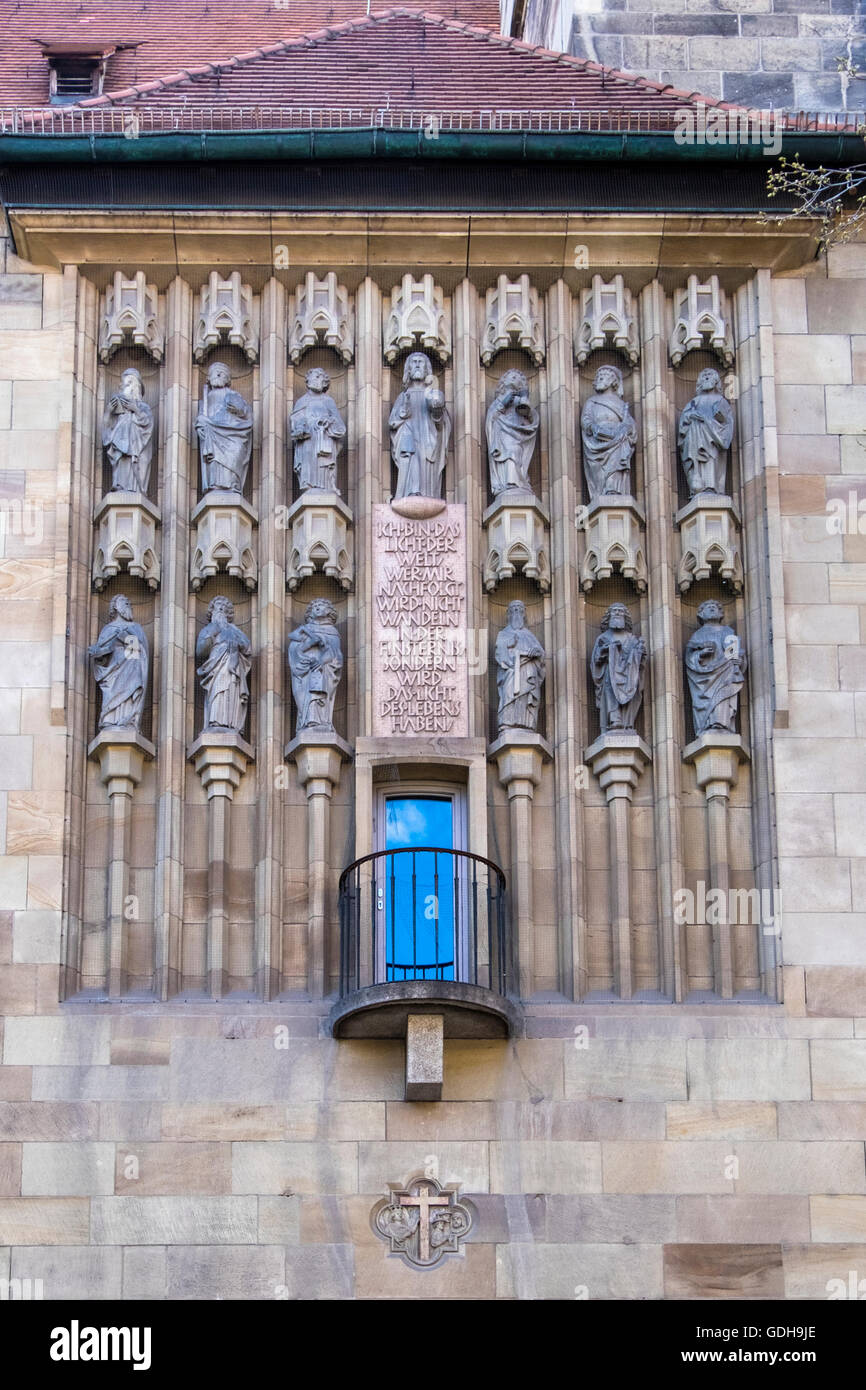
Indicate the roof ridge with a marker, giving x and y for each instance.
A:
(380, 17)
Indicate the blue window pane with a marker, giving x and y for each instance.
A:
(419, 889)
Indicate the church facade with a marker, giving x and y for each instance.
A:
(431, 675)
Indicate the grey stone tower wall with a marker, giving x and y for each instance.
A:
(781, 54)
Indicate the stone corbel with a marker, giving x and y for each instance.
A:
(618, 759)
(320, 524)
(417, 320)
(222, 526)
(225, 315)
(126, 539)
(319, 758)
(517, 526)
(131, 316)
(701, 321)
(513, 319)
(716, 756)
(220, 759)
(614, 529)
(323, 314)
(709, 528)
(121, 754)
(607, 320)
(519, 755)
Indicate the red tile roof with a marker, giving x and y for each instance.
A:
(403, 60)
(169, 34)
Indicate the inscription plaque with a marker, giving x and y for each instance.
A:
(419, 623)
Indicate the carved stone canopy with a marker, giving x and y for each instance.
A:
(323, 314)
(225, 315)
(701, 321)
(614, 528)
(513, 318)
(607, 320)
(709, 539)
(422, 1221)
(126, 539)
(417, 320)
(131, 316)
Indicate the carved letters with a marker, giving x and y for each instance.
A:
(419, 623)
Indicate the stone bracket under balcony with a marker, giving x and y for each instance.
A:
(383, 1010)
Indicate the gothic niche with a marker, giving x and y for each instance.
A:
(420, 428)
(516, 521)
(520, 672)
(613, 520)
(422, 1221)
(316, 664)
(126, 518)
(709, 523)
(319, 519)
(223, 520)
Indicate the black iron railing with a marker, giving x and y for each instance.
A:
(423, 914)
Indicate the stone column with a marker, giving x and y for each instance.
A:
(617, 759)
(567, 647)
(519, 755)
(121, 754)
(220, 759)
(170, 692)
(269, 644)
(372, 485)
(716, 757)
(79, 465)
(764, 596)
(665, 716)
(319, 758)
(468, 484)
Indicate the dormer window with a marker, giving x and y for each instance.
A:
(77, 71)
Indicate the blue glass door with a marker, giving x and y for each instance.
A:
(419, 894)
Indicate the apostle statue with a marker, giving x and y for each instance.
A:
(127, 434)
(224, 426)
(521, 662)
(120, 660)
(420, 430)
(618, 667)
(512, 428)
(224, 653)
(316, 433)
(609, 435)
(316, 664)
(705, 432)
(716, 669)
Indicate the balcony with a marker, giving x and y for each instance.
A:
(423, 933)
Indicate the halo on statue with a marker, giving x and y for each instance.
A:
(418, 508)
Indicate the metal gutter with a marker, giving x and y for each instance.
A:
(833, 148)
